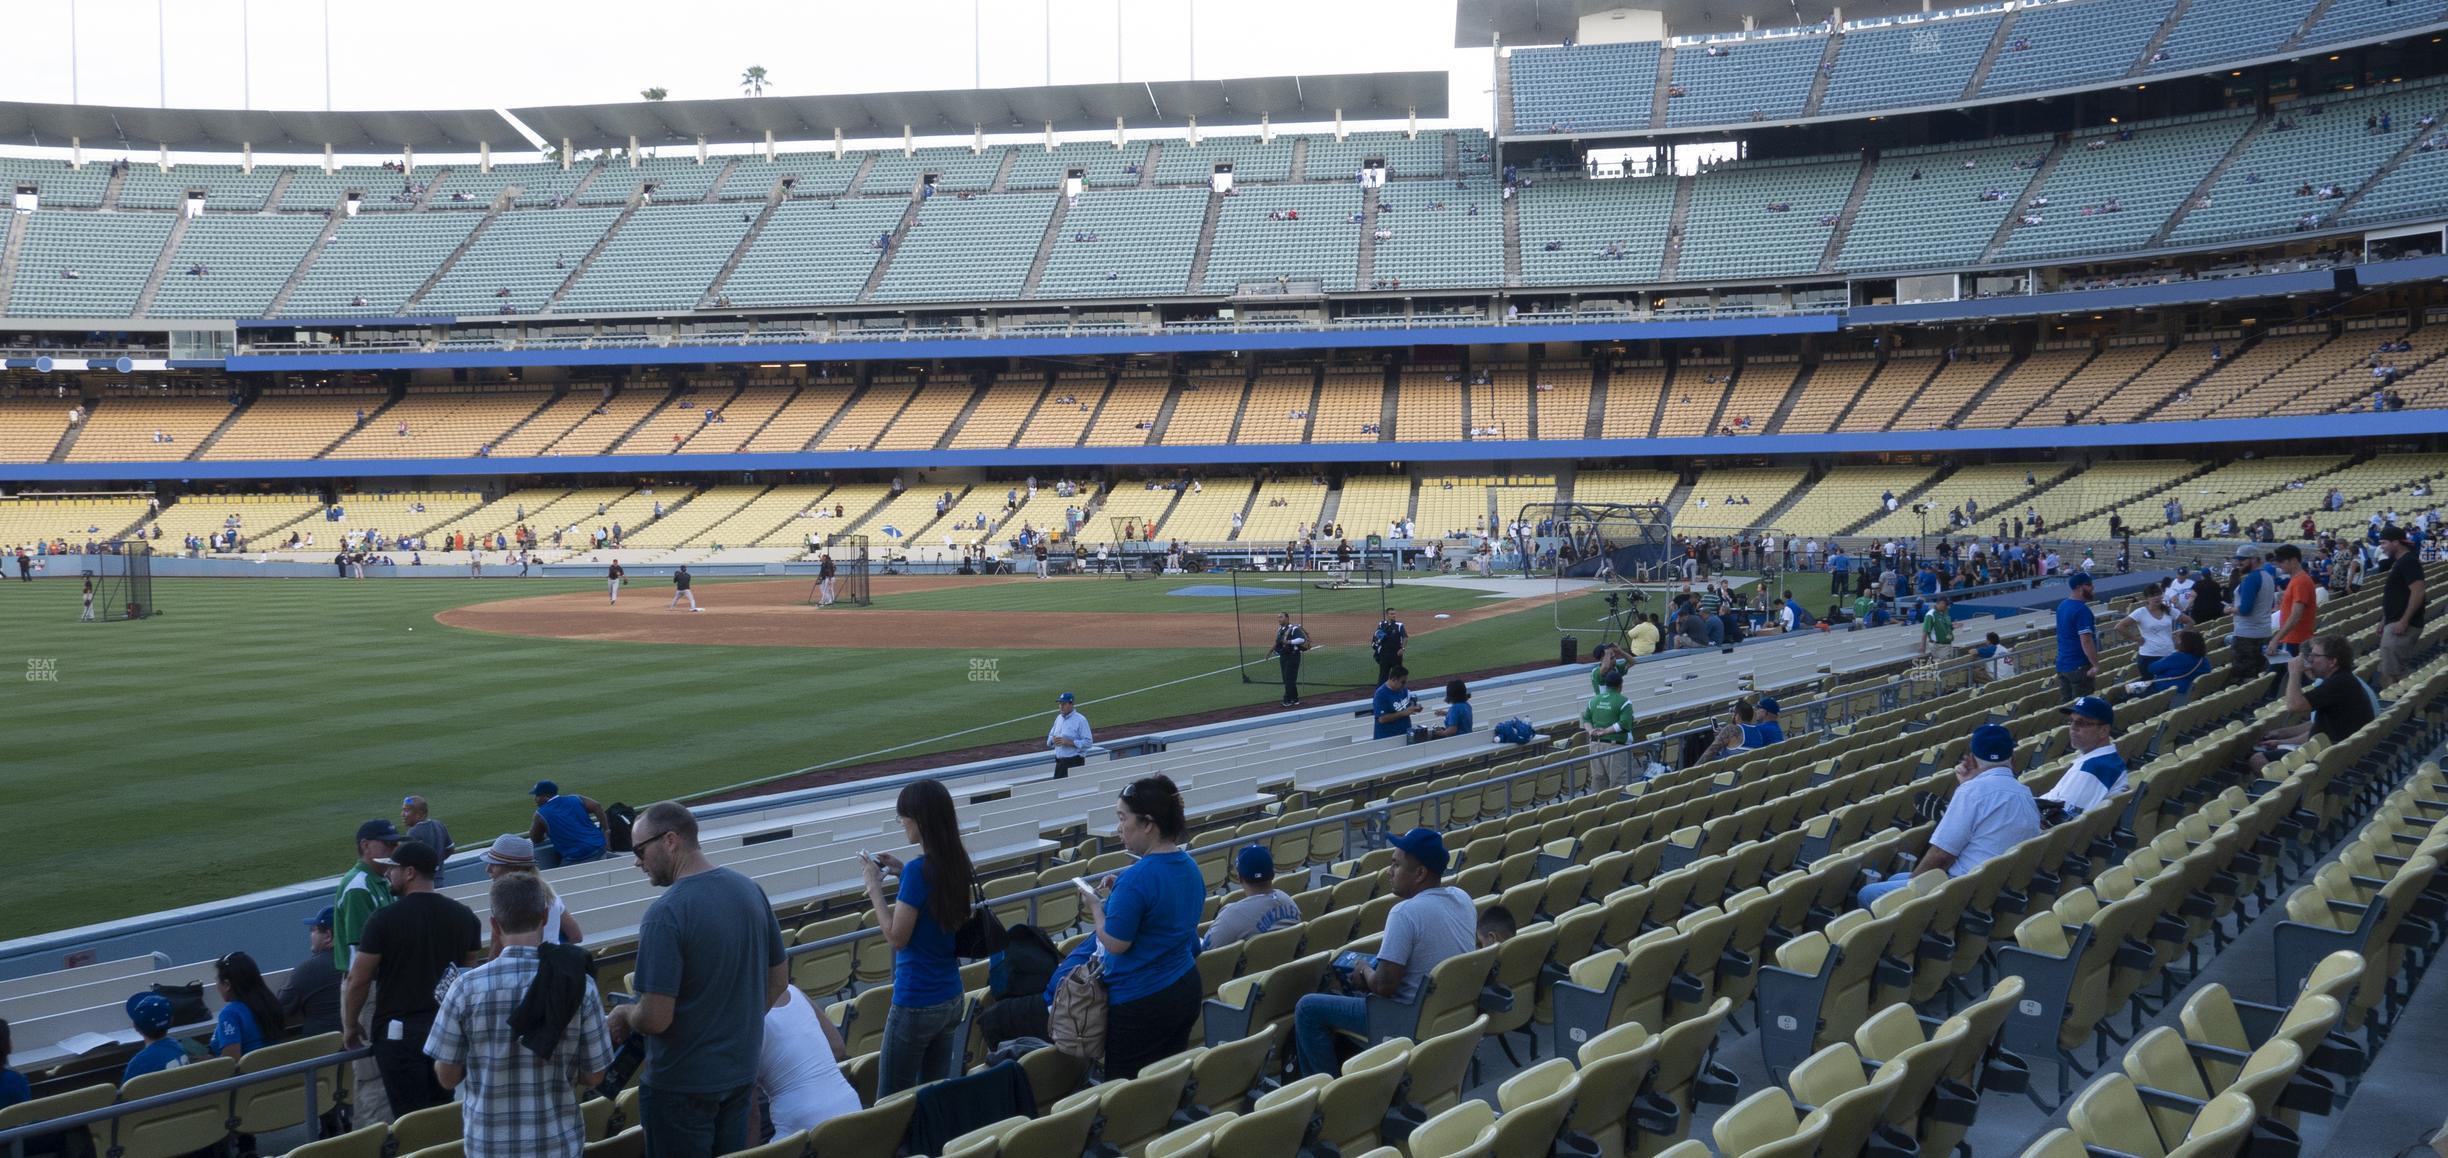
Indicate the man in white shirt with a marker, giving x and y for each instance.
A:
(1069, 737)
(1989, 814)
(2098, 770)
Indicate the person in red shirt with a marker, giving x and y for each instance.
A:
(2298, 605)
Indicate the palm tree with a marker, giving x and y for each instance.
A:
(656, 93)
(753, 80)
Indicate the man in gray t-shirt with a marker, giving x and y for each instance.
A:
(1429, 923)
(1260, 908)
(417, 820)
(709, 965)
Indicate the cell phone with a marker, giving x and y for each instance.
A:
(866, 856)
(1082, 883)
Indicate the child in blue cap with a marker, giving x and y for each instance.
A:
(150, 1014)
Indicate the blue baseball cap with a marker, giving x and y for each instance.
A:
(1254, 863)
(1425, 845)
(2079, 579)
(378, 830)
(149, 1012)
(2090, 708)
(1065, 698)
(321, 920)
(1767, 704)
(545, 788)
(1993, 744)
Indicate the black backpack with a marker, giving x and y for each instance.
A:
(618, 818)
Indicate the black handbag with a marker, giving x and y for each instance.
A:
(186, 1003)
(980, 936)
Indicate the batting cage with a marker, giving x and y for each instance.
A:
(123, 581)
(850, 573)
(1338, 609)
(1618, 545)
(1135, 556)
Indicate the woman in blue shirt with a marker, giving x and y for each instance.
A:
(1148, 928)
(250, 1014)
(933, 903)
(13, 1086)
(2179, 668)
(1457, 711)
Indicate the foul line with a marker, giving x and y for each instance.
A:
(919, 743)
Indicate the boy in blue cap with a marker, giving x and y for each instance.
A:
(1260, 907)
(1990, 813)
(1430, 922)
(150, 1014)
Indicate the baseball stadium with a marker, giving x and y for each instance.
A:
(1598, 578)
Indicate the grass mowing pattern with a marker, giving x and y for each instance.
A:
(235, 743)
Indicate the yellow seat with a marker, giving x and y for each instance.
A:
(1196, 1140)
(1764, 1125)
(77, 1101)
(1615, 1065)
(1468, 1130)
(1277, 1128)
(1439, 1065)
(1535, 1104)
(180, 1127)
(430, 1126)
(791, 1146)
(362, 1142)
(629, 1143)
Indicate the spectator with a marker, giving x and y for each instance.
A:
(409, 949)
(2402, 601)
(2177, 669)
(250, 1016)
(2337, 702)
(1607, 721)
(149, 1012)
(577, 825)
(1642, 639)
(1989, 814)
(362, 889)
(1497, 926)
(517, 1031)
(1393, 705)
(1260, 908)
(2153, 625)
(709, 965)
(313, 992)
(1938, 628)
(1457, 711)
(1148, 929)
(13, 1086)
(2098, 769)
(2298, 607)
(419, 824)
(2257, 587)
(799, 1066)
(933, 904)
(1430, 922)
(516, 854)
(2077, 639)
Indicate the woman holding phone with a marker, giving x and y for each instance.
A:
(919, 924)
(1148, 929)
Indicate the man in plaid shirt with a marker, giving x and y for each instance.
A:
(513, 1100)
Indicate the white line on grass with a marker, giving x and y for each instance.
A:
(865, 756)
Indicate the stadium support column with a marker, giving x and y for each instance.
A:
(701, 149)
(977, 140)
(484, 156)
(1266, 131)
(76, 152)
(1339, 133)
(633, 150)
(327, 156)
(1194, 132)
(407, 159)
(1117, 132)
(1049, 135)
(1412, 133)
(163, 162)
(246, 157)
(906, 148)
(565, 153)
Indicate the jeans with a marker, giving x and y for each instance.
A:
(2074, 685)
(1314, 1022)
(917, 1045)
(1871, 893)
(550, 857)
(686, 1125)
(408, 1079)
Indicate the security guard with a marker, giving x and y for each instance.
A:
(1387, 644)
(1291, 639)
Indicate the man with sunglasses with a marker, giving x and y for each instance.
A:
(2337, 702)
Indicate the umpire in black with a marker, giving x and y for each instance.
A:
(1291, 639)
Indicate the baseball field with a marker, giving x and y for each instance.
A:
(234, 743)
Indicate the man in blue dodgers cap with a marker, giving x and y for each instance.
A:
(1430, 922)
(2098, 769)
(1990, 813)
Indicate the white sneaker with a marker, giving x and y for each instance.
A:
(696, 608)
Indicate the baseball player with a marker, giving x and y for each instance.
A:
(613, 577)
(680, 590)
(1291, 639)
(825, 571)
(1041, 559)
(88, 617)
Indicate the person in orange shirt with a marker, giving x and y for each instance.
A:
(2298, 605)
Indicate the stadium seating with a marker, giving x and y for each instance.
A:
(1207, 409)
(1763, 77)
(1182, 163)
(226, 188)
(967, 249)
(1928, 208)
(1899, 379)
(1587, 87)
(1846, 497)
(868, 414)
(1405, 155)
(1285, 506)
(2027, 383)
(799, 417)
(30, 428)
(2147, 170)
(123, 428)
(1983, 492)
(693, 409)
(2345, 20)
(1632, 398)
(232, 266)
(810, 175)
(1833, 385)
(1070, 403)
(2128, 378)
(598, 426)
(2054, 46)
(1949, 390)
(1735, 225)
(928, 417)
(1100, 163)
(1279, 408)
(74, 520)
(2229, 30)
(259, 517)
(379, 188)
(302, 424)
(55, 183)
(662, 259)
(1137, 398)
(1907, 63)
(1443, 237)
(1144, 240)
(1000, 411)
(674, 181)
(1205, 515)
(2274, 180)
(529, 255)
(1584, 219)
(817, 252)
(81, 265)
(1351, 406)
(955, 169)
(1701, 386)
(1324, 244)
(1428, 408)
(379, 258)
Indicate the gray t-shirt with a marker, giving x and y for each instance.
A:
(435, 837)
(1422, 932)
(708, 943)
(1250, 916)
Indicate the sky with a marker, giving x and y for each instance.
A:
(271, 53)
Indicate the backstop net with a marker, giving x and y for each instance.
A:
(123, 581)
(850, 572)
(1136, 555)
(1338, 608)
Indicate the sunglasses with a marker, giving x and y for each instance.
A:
(638, 846)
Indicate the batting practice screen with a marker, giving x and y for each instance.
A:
(1338, 609)
(850, 572)
(124, 587)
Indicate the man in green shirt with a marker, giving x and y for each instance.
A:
(1938, 629)
(1608, 724)
(1865, 608)
(1609, 658)
(362, 889)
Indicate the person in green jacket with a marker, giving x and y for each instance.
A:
(1938, 630)
(1865, 609)
(1608, 724)
(1609, 658)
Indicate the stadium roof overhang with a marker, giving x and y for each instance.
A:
(1477, 22)
(266, 130)
(959, 112)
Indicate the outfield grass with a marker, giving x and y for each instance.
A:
(234, 743)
